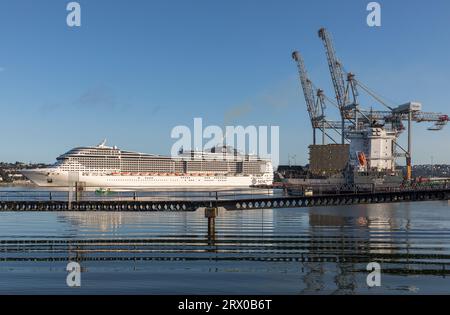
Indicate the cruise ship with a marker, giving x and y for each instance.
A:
(103, 166)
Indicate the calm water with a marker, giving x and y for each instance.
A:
(284, 251)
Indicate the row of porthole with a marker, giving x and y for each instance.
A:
(280, 204)
(182, 179)
(44, 207)
(275, 204)
(64, 206)
(132, 207)
(268, 204)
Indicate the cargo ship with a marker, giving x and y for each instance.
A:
(368, 160)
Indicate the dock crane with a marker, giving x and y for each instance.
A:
(314, 106)
(315, 103)
(337, 77)
(346, 97)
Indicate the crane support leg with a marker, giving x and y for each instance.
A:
(314, 136)
(408, 156)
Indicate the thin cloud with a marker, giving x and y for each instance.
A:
(156, 109)
(98, 97)
(49, 107)
(280, 96)
(237, 112)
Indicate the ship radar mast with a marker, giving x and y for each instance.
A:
(102, 144)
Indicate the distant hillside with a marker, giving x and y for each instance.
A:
(9, 172)
(428, 170)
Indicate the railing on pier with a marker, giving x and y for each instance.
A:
(138, 195)
(227, 201)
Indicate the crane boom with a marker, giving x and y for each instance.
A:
(313, 105)
(308, 90)
(337, 74)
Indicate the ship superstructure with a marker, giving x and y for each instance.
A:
(105, 166)
(372, 148)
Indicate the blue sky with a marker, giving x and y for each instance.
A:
(135, 69)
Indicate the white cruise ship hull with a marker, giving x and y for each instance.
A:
(53, 178)
(109, 167)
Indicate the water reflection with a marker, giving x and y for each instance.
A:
(102, 221)
(317, 250)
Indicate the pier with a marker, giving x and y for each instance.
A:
(229, 202)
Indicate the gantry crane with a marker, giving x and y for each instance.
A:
(315, 103)
(314, 106)
(347, 100)
(337, 77)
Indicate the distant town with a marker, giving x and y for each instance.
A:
(10, 174)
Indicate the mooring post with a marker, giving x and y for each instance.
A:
(76, 192)
(79, 188)
(69, 197)
(447, 196)
(211, 214)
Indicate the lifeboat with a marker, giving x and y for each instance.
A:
(362, 159)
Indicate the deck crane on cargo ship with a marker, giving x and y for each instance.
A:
(347, 99)
(315, 103)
